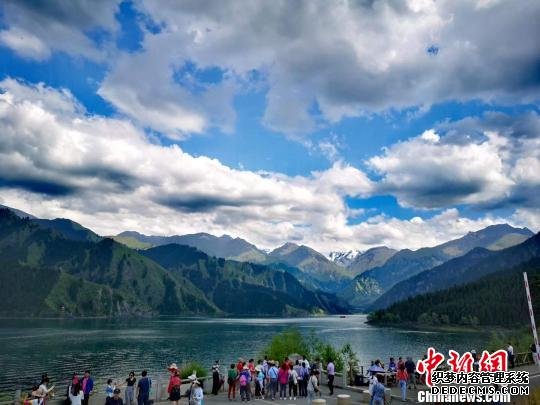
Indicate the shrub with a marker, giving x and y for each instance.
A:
(287, 343)
(189, 368)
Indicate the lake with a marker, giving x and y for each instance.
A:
(113, 347)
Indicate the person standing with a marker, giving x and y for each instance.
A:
(378, 397)
(244, 380)
(174, 384)
(109, 390)
(411, 369)
(402, 378)
(143, 389)
(76, 394)
(43, 389)
(197, 393)
(476, 362)
(232, 376)
(259, 382)
(299, 378)
(293, 382)
(273, 373)
(533, 353)
(129, 394)
(312, 387)
(510, 351)
(331, 370)
(215, 378)
(306, 375)
(283, 378)
(87, 386)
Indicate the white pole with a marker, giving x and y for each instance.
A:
(533, 323)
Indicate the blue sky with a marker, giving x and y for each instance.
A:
(413, 130)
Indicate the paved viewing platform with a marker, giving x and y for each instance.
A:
(357, 395)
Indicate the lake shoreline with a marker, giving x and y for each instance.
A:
(440, 328)
(194, 317)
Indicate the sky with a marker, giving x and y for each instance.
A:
(335, 124)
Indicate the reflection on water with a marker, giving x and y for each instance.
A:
(113, 347)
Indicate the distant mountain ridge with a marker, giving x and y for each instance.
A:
(219, 246)
(75, 276)
(314, 264)
(495, 299)
(371, 258)
(368, 286)
(90, 278)
(242, 287)
(315, 269)
(470, 267)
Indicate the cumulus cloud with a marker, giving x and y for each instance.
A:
(342, 59)
(56, 160)
(489, 161)
(370, 56)
(34, 29)
(105, 172)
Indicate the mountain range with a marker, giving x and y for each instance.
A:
(311, 267)
(69, 269)
(496, 299)
(80, 277)
(470, 267)
(365, 288)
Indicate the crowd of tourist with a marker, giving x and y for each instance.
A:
(265, 379)
(271, 379)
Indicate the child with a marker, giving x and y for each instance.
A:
(109, 390)
(197, 394)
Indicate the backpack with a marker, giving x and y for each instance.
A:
(243, 380)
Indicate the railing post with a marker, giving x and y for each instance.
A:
(17, 397)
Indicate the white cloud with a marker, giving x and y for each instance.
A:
(58, 161)
(368, 57)
(105, 173)
(489, 161)
(36, 29)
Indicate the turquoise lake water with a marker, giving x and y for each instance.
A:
(113, 347)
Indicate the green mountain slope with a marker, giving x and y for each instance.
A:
(368, 286)
(330, 276)
(475, 264)
(371, 258)
(137, 284)
(243, 288)
(497, 299)
(69, 229)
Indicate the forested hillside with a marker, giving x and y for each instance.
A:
(497, 299)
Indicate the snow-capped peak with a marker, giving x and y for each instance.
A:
(344, 258)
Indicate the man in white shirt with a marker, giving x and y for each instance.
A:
(331, 370)
(510, 351)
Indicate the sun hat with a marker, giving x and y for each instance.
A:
(258, 368)
(193, 377)
(172, 367)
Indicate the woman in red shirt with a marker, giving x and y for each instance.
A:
(174, 384)
(402, 377)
